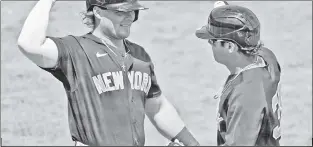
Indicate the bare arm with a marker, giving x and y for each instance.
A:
(165, 118)
(32, 40)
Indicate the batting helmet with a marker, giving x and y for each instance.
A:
(119, 5)
(234, 23)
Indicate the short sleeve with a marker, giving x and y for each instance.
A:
(155, 90)
(60, 71)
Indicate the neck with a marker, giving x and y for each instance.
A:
(239, 63)
(116, 43)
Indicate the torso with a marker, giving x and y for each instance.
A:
(269, 134)
(106, 100)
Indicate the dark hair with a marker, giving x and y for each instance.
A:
(88, 19)
(252, 51)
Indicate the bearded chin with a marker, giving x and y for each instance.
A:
(115, 32)
(122, 34)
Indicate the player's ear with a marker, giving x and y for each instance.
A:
(231, 50)
(232, 47)
(218, 43)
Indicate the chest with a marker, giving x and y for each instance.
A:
(105, 59)
(223, 96)
(109, 71)
(222, 105)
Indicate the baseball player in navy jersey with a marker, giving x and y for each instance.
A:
(249, 107)
(110, 81)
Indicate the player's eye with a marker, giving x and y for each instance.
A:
(227, 43)
(223, 43)
(217, 42)
(118, 12)
(211, 41)
(122, 13)
(230, 44)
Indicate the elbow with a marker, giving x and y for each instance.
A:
(21, 43)
(152, 113)
(29, 40)
(26, 45)
(24, 41)
(163, 111)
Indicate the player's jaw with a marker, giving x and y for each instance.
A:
(122, 22)
(122, 29)
(126, 23)
(117, 24)
(221, 51)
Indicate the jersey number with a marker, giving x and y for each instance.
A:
(277, 109)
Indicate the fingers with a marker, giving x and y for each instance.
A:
(175, 143)
(220, 3)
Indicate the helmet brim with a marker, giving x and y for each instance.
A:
(126, 7)
(203, 33)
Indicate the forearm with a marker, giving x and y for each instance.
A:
(167, 121)
(35, 26)
(170, 125)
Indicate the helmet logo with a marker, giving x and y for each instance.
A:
(239, 34)
(247, 38)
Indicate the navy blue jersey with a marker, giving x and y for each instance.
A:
(106, 91)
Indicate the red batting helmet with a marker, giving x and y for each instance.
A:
(119, 5)
(234, 23)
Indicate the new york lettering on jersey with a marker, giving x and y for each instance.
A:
(101, 93)
(112, 81)
(109, 76)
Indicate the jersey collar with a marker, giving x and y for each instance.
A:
(98, 40)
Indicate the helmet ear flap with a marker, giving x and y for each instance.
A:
(136, 15)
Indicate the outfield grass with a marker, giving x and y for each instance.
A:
(34, 104)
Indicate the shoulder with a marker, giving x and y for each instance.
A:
(273, 67)
(64, 41)
(69, 44)
(267, 53)
(250, 88)
(253, 78)
(269, 57)
(68, 39)
(137, 51)
(60, 38)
